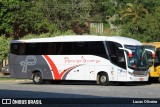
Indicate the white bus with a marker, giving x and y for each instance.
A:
(96, 58)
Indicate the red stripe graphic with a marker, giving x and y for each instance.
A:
(57, 75)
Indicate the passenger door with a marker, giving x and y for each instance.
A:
(117, 58)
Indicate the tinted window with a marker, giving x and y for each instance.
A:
(31, 49)
(63, 48)
(17, 48)
(116, 55)
(80, 48)
(60, 48)
(97, 48)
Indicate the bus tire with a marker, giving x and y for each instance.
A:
(37, 78)
(103, 79)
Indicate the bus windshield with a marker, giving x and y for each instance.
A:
(139, 60)
(149, 47)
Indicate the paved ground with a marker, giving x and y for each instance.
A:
(77, 90)
(26, 89)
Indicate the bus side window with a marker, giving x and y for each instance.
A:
(63, 48)
(15, 48)
(22, 49)
(18, 49)
(80, 48)
(97, 48)
(32, 49)
(112, 52)
(116, 55)
(121, 59)
(51, 48)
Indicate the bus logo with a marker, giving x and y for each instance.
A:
(29, 61)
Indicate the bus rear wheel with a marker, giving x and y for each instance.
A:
(103, 79)
(37, 78)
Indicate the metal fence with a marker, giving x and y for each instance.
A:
(96, 28)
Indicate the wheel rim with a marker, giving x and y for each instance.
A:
(37, 78)
(103, 79)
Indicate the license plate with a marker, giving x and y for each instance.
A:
(141, 79)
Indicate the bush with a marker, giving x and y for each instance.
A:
(4, 47)
(44, 35)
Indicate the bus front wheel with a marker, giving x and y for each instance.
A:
(37, 78)
(103, 79)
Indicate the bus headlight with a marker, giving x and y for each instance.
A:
(131, 73)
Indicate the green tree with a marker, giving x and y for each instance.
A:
(144, 26)
(150, 27)
(28, 18)
(21, 17)
(67, 14)
(133, 12)
(4, 47)
(146, 29)
(5, 16)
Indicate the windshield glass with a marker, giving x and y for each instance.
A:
(139, 60)
(149, 47)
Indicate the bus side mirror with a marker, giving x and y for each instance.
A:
(150, 52)
(130, 55)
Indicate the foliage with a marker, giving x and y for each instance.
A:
(133, 12)
(145, 27)
(5, 16)
(44, 35)
(28, 18)
(4, 47)
(150, 30)
(72, 14)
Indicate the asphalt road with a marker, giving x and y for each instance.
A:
(78, 90)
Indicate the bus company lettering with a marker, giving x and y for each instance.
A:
(81, 60)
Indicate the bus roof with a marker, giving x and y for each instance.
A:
(156, 44)
(80, 38)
